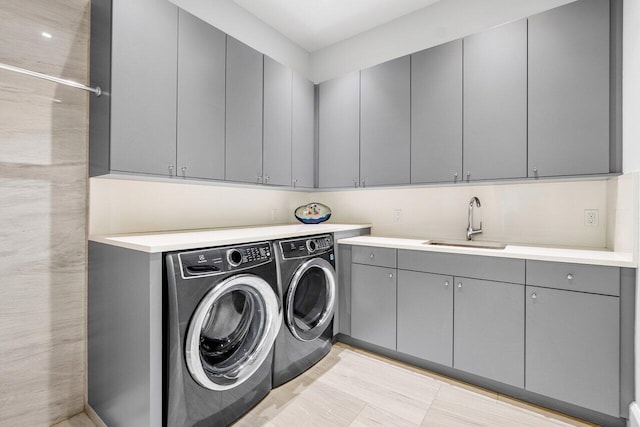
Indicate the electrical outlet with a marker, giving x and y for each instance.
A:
(397, 216)
(591, 217)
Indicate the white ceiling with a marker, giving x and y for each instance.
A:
(315, 24)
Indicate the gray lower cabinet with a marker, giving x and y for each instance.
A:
(243, 160)
(276, 154)
(495, 103)
(373, 305)
(436, 114)
(201, 99)
(569, 90)
(425, 316)
(385, 143)
(489, 330)
(573, 346)
(339, 132)
(143, 86)
(303, 132)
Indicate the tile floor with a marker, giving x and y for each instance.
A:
(352, 387)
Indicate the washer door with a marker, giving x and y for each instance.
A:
(311, 298)
(232, 331)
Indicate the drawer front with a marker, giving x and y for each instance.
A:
(381, 257)
(596, 279)
(475, 266)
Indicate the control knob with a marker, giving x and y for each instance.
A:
(234, 257)
(311, 246)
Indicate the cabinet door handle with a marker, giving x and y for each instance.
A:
(390, 275)
(455, 177)
(534, 296)
(364, 182)
(184, 170)
(294, 182)
(258, 178)
(170, 169)
(460, 285)
(371, 255)
(569, 276)
(535, 172)
(355, 183)
(266, 179)
(468, 175)
(446, 284)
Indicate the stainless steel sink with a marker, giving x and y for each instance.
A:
(466, 244)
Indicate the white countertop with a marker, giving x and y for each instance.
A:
(191, 239)
(558, 254)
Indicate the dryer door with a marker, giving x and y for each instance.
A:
(232, 331)
(311, 299)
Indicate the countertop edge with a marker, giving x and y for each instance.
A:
(574, 256)
(261, 233)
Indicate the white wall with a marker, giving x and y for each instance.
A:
(631, 125)
(128, 206)
(240, 24)
(444, 21)
(537, 213)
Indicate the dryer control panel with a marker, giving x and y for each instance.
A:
(207, 262)
(306, 246)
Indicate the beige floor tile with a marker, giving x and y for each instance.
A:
(561, 418)
(80, 420)
(372, 417)
(457, 406)
(364, 384)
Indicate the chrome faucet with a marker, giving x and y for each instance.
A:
(470, 230)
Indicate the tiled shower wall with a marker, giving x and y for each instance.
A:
(43, 205)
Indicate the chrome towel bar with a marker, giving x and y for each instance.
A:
(97, 90)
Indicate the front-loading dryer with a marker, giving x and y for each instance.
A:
(308, 292)
(223, 317)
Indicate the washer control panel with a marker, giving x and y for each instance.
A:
(306, 246)
(207, 262)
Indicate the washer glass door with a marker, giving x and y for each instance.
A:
(232, 331)
(311, 299)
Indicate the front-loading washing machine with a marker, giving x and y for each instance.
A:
(223, 317)
(308, 293)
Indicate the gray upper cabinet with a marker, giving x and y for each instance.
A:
(303, 133)
(425, 316)
(276, 166)
(339, 132)
(569, 90)
(436, 114)
(573, 346)
(489, 330)
(243, 160)
(143, 86)
(373, 305)
(495, 103)
(385, 145)
(201, 98)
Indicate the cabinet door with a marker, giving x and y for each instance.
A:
(385, 146)
(573, 348)
(569, 90)
(495, 103)
(143, 86)
(243, 157)
(373, 305)
(489, 330)
(201, 98)
(303, 133)
(425, 316)
(339, 132)
(276, 165)
(436, 114)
